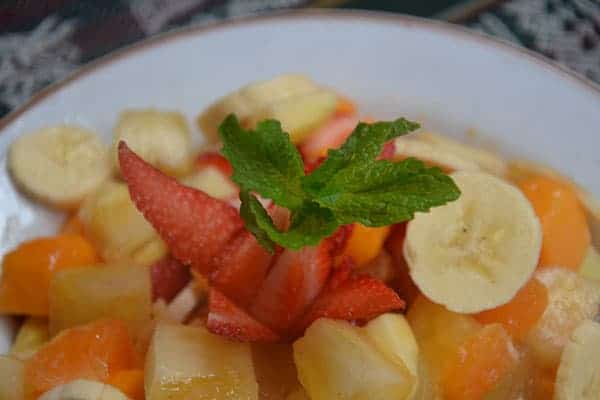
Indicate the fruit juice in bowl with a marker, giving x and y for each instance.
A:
(306, 253)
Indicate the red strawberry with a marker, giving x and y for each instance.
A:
(360, 298)
(389, 150)
(340, 238)
(240, 268)
(168, 277)
(215, 160)
(194, 225)
(227, 319)
(332, 134)
(292, 284)
(340, 274)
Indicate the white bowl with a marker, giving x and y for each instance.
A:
(449, 78)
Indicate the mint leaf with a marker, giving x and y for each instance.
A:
(362, 147)
(309, 224)
(377, 193)
(264, 161)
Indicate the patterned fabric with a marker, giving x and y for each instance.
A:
(41, 45)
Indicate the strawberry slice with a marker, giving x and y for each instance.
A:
(292, 284)
(216, 160)
(360, 298)
(389, 150)
(340, 238)
(340, 274)
(332, 134)
(225, 318)
(194, 225)
(168, 277)
(240, 268)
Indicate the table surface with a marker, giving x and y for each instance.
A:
(42, 41)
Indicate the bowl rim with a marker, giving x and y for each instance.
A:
(298, 14)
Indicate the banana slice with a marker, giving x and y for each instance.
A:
(484, 159)
(477, 252)
(83, 389)
(571, 300)
(59, 165)
(578, 376)
(162, 138)
(296, 101)
(433, 154)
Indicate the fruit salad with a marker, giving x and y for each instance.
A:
(304, 252)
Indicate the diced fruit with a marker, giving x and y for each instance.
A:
(381, 268)
(275, 370)
(59, 165)
(520, 314)
(432, 154)
(82, 295)
(84, 389)
(590, 267)
(150, 253)
(298, 394)
(95, 351)
(474, 243)
(291, 285)
(32, 335)
(330, 135)
(360, 298)
(183, 305)
(213, 159)
(194, 225)
(336, 360)
(187, 362)
(73, 226)
(294, 100)
(168, 277)
(130, 382)
(365, 243)
(162, 138)
(228, 320)
(403, 282)
(340, 274)
(11, 378)
(439, 333)
(479, 364)
(566, 235)
(345, 106)
(27, 270)
(213, 182)
(571, 300)
(241, 268)
(113, 223)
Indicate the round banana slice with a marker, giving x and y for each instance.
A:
(83, 389)
(484, 159)
(433, 154)
(59, 165)
(162, 138)
(578, 376)
(475, 253)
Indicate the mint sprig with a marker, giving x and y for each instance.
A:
(351, 185)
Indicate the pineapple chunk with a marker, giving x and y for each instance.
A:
(115, 226)
(298, 394)
(11, 379)
(31, 336)
(81, 295)
(276, 372)
(336, 360)
(212, 182)
(186, 362)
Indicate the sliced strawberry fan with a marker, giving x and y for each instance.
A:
(254, 296)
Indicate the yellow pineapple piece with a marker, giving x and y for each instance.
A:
(336, 360)
(186, 362)
(11, 379)
(32, 335)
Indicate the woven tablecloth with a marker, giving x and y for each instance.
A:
(42, 41)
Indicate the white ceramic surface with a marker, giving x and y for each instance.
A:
(448, 78)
